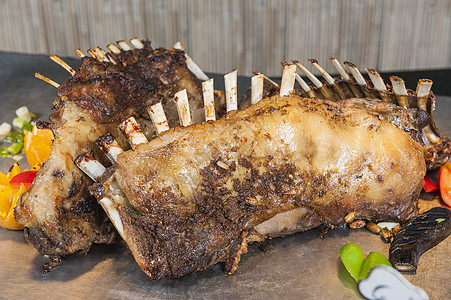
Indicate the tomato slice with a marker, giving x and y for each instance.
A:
(429, 185)
(26, 178)
(444, 179)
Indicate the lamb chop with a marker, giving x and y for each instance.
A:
(199, 193)
(59, 214)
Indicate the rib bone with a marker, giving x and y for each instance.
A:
(230, 81)
(181, 98)
(356, 73)
(309, 74)
(360, 81)
(100, 53)
(340, 68)
(378, 83)
(48, 80)
(132, 132)
(423, 88)
(109, 146)
(400, 91)
(62, 64)
(192, 66)
(113, 215)
(345, 76)
(137, 43)
(94, 54)
(158, 117)
(113, 48)
(326, 90)
(90, 166)
(111, 59)
(124, 45)
(288, 78)
(377, 80)
(275, 84)
(257, 82)
(80, 53)
(305, 86)
(323, 72)
(209, 100)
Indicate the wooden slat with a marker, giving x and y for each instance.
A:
(238, 34)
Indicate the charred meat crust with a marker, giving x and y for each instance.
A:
(113, 92)
(65, 240)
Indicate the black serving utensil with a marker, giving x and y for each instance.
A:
(417, 237)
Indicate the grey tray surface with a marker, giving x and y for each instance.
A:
(300, 266)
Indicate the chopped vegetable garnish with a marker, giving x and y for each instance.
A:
(16, 138)
(24, 114)
(5, 128)
(354, 261)
(15, 148)
(37, 148)
(444, 179)
(429, 186)
(19, 123)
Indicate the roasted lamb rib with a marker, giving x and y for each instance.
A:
(198, 194)
(59, 214)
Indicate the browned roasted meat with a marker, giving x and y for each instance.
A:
(197, 195)
(416, 120)
(111, 93)
(59, 214)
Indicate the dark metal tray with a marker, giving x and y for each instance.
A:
(300, 266)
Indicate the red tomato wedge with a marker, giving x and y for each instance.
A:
(444, 179)
(26, 178)
(429, 185)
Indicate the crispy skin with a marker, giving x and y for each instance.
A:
(199, 194)
(60, 215)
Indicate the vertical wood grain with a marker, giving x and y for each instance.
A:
(248, 35)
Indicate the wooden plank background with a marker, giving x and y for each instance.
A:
(248, 35)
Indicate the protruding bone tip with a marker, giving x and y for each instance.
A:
(105, 139)
(350, 64)
(372, 71)
(396, 79)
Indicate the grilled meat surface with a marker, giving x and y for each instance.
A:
(60, 215)
(112, 93)
(415, 118)
(200, 193)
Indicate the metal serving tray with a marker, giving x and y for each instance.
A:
(300, 266)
